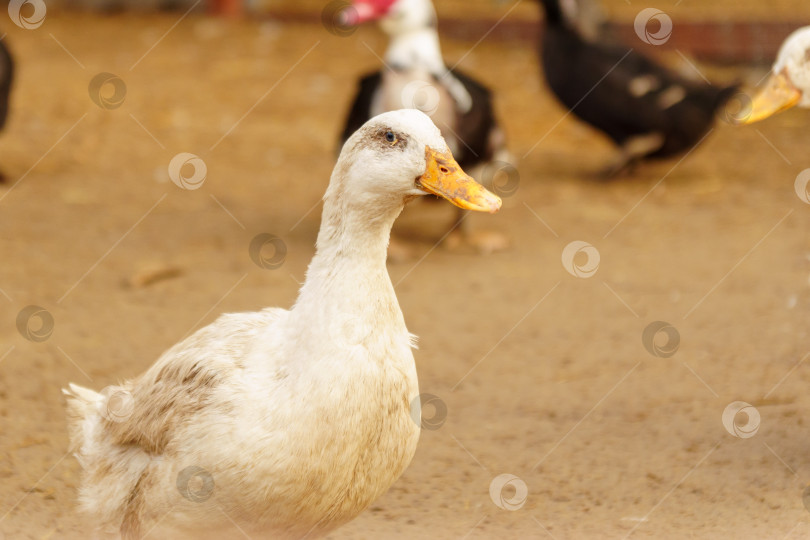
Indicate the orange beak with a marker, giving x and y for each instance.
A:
(777, 95)
(445, 178)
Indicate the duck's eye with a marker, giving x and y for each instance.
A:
(390, 137)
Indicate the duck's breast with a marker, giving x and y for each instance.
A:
(324, 439)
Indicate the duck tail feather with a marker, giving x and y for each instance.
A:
(81, 406)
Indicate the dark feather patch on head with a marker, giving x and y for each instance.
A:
(376, 137)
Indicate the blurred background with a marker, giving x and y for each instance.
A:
(545, 375)
(720, 30)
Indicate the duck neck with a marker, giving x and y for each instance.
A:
(347, 277)
(418, 48)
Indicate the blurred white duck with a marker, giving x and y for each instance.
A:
(283, 423)
(789, 83)
(415, 76)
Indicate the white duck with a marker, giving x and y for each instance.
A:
(789, 83)
(418, 78)
(283, 423)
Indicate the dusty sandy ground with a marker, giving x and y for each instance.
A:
(544, 374)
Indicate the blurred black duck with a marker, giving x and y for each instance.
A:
(647, 110)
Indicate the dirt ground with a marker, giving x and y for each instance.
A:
(544, 375)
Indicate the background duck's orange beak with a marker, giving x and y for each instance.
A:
(777, 95)
(444, 177)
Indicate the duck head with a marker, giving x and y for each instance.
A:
(400, 155)
(789, 83)
(396, 16)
